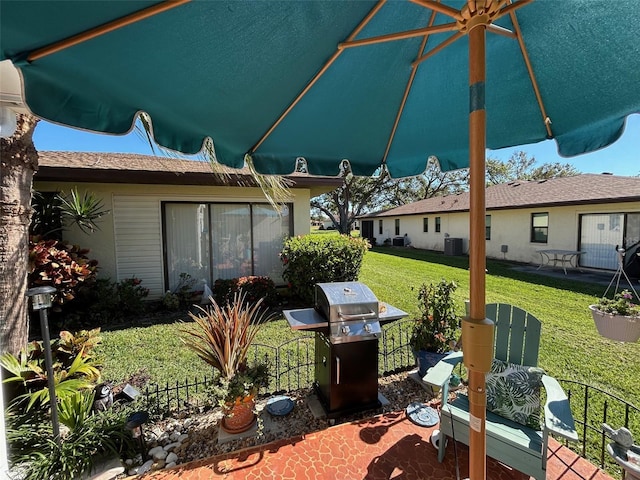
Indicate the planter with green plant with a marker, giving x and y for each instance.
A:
(436, 329)
(222, 336)
(618, 318)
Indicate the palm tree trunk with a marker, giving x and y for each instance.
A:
(19, 161)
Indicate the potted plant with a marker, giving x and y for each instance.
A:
(436, 329)
(618, 318)
(221, 337)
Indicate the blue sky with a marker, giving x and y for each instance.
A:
(621, 158)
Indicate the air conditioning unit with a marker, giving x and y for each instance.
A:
(453, 246)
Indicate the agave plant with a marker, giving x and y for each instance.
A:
(222, 335)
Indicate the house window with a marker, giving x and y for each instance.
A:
(380, 227)
(487, 227)
(437, 224)
(397, 226)
(539, 227)
(223, 240)
(425, 224)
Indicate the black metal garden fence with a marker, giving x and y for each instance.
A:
(591, 407)
(292, 366)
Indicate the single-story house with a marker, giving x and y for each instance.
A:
(590, 213)
(170, 216)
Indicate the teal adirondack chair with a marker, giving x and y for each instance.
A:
(522, 447)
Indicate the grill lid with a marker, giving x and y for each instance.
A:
(351, 309)
(346, 301)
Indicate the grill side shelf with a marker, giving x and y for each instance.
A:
(307, 319)
(390, 314)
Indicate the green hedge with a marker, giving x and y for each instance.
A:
(311, 259)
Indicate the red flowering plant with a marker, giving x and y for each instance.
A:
(437, 327)
(254, 288)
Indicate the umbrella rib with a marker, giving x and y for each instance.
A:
(501, 31)
(532, 77)
(509, 9)
(444, 44)
(407, 89)
(317, 76)
(440, 8)
(447, 27)
(102, 29)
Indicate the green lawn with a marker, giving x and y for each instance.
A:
(570, 347)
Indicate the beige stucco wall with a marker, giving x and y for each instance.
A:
(102, 243)
(508, 227)
(456, 225)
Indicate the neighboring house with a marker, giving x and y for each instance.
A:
(171, 216)
(591, 213)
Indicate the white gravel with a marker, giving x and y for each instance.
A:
(181, 440)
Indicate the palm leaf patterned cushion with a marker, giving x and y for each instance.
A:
(513, 392)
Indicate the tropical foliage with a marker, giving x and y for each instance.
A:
(52, 210)
(74, 368)
(34, 450)
(64, 267)
(82, 210)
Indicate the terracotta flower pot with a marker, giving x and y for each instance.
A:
(239, 416)
(616, 327)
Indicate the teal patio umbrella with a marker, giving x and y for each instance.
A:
(376, 83)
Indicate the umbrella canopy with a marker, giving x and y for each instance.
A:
(379, 84)
(228, 70)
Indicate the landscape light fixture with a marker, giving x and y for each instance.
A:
(41, 301)
(134, 423)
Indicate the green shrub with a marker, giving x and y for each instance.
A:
(109, 301)
(131, 296)
(253, 287)
(311, 259)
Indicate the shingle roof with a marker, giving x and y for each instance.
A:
(148, 169)
(579, 189)
(124, 161)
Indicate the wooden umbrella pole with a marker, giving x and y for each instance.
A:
(477, 331)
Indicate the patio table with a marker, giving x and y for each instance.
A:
(562, 257)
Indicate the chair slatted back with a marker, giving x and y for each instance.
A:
(517, 334)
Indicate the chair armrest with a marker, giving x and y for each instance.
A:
(438, 375)
(557, 411)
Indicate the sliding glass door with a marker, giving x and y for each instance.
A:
(231, 240)
(269, 231)
(223, 240)
(186, 236)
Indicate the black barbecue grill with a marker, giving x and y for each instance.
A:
(347, 319)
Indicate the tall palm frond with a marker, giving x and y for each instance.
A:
(274, 187)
